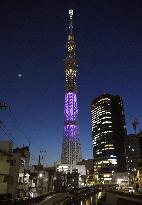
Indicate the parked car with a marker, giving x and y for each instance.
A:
(129, 190)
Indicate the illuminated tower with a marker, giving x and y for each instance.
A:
(71, 148)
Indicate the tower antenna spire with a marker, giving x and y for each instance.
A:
(71, 17)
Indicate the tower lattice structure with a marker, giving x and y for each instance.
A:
(71, 147)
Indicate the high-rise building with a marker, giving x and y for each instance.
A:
(108, 132)
(133, 147)
(71, 147)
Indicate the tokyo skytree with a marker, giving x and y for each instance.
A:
(71, 147)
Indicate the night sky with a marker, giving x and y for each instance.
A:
(33, 34)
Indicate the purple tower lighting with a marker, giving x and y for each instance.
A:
(71, 148)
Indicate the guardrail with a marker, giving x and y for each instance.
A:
(130, 194)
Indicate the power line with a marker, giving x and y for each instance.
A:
(6, 133)
(11, 116)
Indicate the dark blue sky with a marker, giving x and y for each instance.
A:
(32, 42)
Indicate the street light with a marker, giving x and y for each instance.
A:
(40, 175)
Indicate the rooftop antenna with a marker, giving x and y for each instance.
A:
(135, 124)
(71, 24)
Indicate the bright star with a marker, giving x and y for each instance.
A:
(19, 75)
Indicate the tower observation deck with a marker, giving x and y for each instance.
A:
(71, 147)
